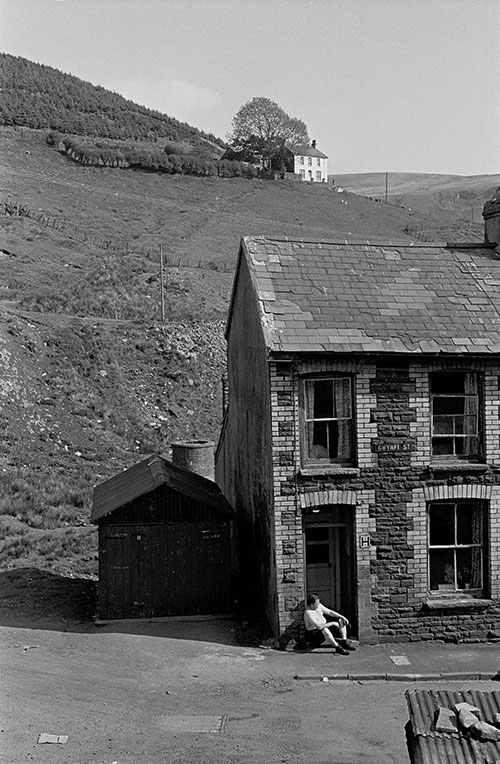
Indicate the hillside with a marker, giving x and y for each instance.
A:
(39, 96)
(441, 198)
(92, 379)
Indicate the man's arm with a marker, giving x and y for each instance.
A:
(334, 614)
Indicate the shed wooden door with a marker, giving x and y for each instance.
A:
(118, 559)
(160, 570)
(199, 569)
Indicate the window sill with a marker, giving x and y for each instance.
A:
(457, 467)
(455, 602)
(330, 469)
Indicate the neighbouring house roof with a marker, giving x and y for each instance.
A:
(345, 297)
(308, 151)
(148, 475)
(433, 747)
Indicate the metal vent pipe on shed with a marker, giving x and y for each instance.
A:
(195, 455)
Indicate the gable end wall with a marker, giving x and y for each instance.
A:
(243, 462)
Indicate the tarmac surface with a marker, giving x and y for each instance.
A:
(427, 661)
(192, 691)
(403, 662)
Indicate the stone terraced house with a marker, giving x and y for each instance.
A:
(361, 442)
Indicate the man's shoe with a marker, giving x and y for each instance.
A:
(347, 644)
(341, 651)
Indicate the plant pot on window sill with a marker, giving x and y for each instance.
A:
(456, 601)
(457, 467)
(329, 469)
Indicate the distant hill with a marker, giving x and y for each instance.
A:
(438, 197)
(39, 96)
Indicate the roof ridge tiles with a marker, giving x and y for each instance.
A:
(379, 243)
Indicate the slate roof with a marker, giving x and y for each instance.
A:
(345, 297)
(308, 151)
(149, 474)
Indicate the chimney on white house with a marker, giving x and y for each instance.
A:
(313, 144)
(491, 215)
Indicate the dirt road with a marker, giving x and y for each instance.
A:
(129, 694)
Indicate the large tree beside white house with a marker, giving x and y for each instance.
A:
(262, 127)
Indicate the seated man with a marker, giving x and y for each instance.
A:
(318, 628)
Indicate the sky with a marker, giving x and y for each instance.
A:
(382, 85)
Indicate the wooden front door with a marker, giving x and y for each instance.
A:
(330, 560)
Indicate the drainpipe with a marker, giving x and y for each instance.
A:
(296, 459)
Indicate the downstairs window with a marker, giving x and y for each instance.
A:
(456, 547)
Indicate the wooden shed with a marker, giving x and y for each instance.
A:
(164, 543)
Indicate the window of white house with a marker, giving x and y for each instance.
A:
(303, 174)
(318, 162)
(327, 433)
(455, 402)
(309, 160)
(318, 174)
(301, 160)
(456, 546)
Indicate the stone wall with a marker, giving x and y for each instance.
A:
(388, 490)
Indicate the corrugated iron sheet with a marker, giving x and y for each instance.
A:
(450, 751)
(433, 747)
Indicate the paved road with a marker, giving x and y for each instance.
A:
(151, 693)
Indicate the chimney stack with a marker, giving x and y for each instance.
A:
(195, 455)
(491, 215)
(313, 144)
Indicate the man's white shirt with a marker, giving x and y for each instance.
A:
(315, 619)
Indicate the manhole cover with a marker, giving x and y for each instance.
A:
(193, 723)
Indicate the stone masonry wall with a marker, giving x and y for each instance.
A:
(388, 489)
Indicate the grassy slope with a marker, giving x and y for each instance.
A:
(438, 197)
(91, 380)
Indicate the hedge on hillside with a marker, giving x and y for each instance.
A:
(152, 161)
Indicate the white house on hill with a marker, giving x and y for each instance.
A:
(310, 163)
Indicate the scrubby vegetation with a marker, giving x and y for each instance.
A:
(44, 519)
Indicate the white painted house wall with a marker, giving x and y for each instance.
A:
(311, 168)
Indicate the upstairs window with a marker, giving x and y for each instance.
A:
(309, 160)
(318, 162)
(327, 410)
(456, 546)
(455, 401)
(301, 160)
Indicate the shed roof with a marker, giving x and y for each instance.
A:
(346, 297)
(444, 748)
(150, 474)
(308, 151)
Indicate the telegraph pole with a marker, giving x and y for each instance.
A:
(162, 298)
